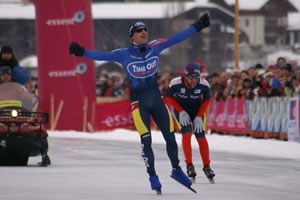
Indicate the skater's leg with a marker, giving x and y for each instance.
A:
(141, 119)
(147, 153)
(204, 150)
(187, 147)
(163, 119)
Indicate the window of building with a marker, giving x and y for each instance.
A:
(297, 37)
(246, 22)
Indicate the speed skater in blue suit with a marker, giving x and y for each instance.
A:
(140, 62)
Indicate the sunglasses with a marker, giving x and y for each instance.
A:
(139, 30)
(190, 76)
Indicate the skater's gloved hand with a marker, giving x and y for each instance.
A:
(76, 49)
(202, 22)
(184, 118)
(198, 124)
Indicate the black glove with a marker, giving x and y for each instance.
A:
(202, 22)
(76, 49)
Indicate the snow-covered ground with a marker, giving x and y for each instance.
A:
(224, 143)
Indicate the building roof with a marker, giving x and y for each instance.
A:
(249, 4)
(17, 11)
(153, 10)
(144, 10)
(258, 4)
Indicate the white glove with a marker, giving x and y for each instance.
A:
(184, 118)
(198, 125)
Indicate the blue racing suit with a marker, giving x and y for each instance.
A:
(140, 63)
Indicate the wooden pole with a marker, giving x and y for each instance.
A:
(60, 106)
(236, 35)
(85, 110)
(54, 117)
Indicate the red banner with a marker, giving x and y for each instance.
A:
(114, 115)
(220, 120)
(117, 114)
(66, 83)
(211, 113)
(242, 122)
(228, 116)
(232, 114)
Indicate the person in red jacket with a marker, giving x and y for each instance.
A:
(190, 97)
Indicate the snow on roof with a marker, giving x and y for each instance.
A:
(143, 10)
(295, 3)
(17, 11)
(293, 18)
(130, 10)
(249, 4)
(11, 1)
(153, 10)
(257, 4)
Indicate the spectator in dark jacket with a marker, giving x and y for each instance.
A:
(7, 58)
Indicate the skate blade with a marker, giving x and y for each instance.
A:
(211, 180)
(158, 192)
(190, 188)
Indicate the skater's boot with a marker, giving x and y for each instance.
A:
(180, 176)
(209, 173)
(190, 170)
(155, 184)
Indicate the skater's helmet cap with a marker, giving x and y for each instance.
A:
(192, 68)
(134, 26)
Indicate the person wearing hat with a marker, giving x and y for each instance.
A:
(190, 97)
(140, 62)
(5, 74)
(7, 58)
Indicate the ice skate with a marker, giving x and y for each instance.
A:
(209, 173)
(179, 176)
(155, 184)
(190, 170)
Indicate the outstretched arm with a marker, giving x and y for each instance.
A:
(114, 56)
(199, 25)
(77, 50)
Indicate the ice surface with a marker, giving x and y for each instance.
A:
(108, 165)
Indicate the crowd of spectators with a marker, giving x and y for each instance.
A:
(281, 79)
(111, 85)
